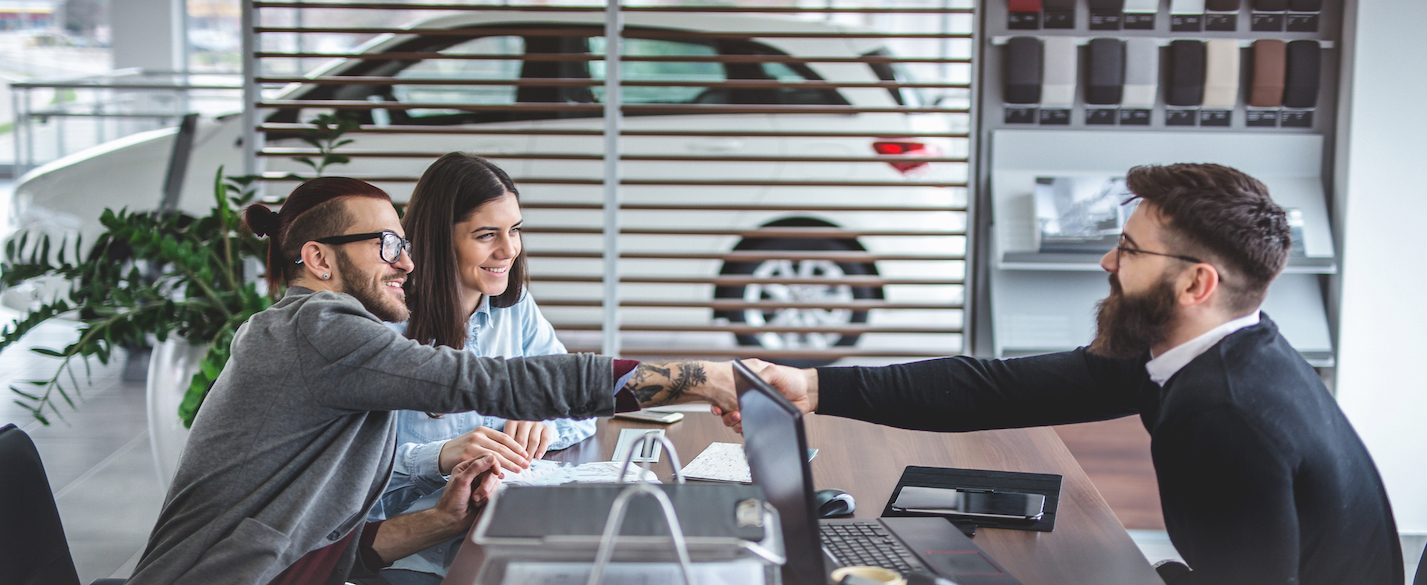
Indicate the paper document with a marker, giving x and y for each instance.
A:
(545, 472)
(724, 462)
(720, 462)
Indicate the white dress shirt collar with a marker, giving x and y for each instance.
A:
(1167, 364)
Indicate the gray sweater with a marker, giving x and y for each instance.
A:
(294, 442)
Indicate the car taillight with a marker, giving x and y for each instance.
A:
(906, 148)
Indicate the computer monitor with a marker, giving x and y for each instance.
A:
(777, 447)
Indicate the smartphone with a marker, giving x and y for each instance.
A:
(654, 416)
(999, 505)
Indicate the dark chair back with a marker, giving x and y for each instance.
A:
(33, 549)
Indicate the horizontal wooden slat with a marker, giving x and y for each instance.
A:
(741, 329)
(479, 130)
(749, 207)
(770, 354)
(580, 57)
(571, 82)
(630, 109)
(557, 32)
(581, 9)
(731, 305)
(770, 232)
(291, 152)
(741, 280)
(750, 256)
(290, 177)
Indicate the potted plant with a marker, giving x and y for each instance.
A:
(183, 282)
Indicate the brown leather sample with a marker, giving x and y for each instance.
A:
(1269, 57)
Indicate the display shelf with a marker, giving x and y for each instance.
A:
(1044, 311)
(1091, 263)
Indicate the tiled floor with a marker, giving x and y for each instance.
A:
(97, 458)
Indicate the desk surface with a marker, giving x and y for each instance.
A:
(1088, 545)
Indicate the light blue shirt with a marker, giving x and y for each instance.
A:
(416, 479)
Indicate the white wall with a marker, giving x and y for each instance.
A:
(1382, 186)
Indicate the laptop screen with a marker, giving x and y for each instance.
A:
(777, 449)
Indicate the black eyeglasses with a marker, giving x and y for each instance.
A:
(391, 248)
(1123, 249)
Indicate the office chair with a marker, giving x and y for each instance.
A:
(33, 550)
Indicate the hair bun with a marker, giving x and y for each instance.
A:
(260, 219)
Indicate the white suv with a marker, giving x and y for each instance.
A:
(761, 164)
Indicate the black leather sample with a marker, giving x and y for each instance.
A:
(1186, 73)
(1023, 70)
(1300, 80)
(1270, 5)
(1222, 5)
(1305, 5)
(1107, 5)
(1058, 4)
(1105, 80)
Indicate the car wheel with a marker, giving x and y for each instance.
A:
(802, 293)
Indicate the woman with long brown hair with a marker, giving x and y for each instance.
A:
(467, 291)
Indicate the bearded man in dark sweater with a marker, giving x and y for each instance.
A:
(1261, 477)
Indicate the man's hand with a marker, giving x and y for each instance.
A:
(799, 386)
(508, 453)
(534, 436)
(470, 487)
(660, 383)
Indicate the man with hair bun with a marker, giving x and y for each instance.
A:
(1262, 479)
(294, 442)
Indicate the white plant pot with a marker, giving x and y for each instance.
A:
(171, 366)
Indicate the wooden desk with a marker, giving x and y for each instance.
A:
(1087, 547)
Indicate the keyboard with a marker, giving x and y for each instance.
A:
(867, 543)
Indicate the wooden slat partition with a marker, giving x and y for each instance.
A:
(783, 195)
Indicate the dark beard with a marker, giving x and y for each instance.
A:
(368, 289)
(1128, 326)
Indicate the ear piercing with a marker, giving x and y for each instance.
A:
(326, 276)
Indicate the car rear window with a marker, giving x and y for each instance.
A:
(897, 73)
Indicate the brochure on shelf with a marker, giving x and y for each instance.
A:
(1080, 214)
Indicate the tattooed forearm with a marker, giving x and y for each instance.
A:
(648, 381)
(656, 383)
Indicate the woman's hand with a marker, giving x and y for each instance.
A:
(508, 453)
(534, 436)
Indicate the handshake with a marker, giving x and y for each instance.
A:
(661, 383)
